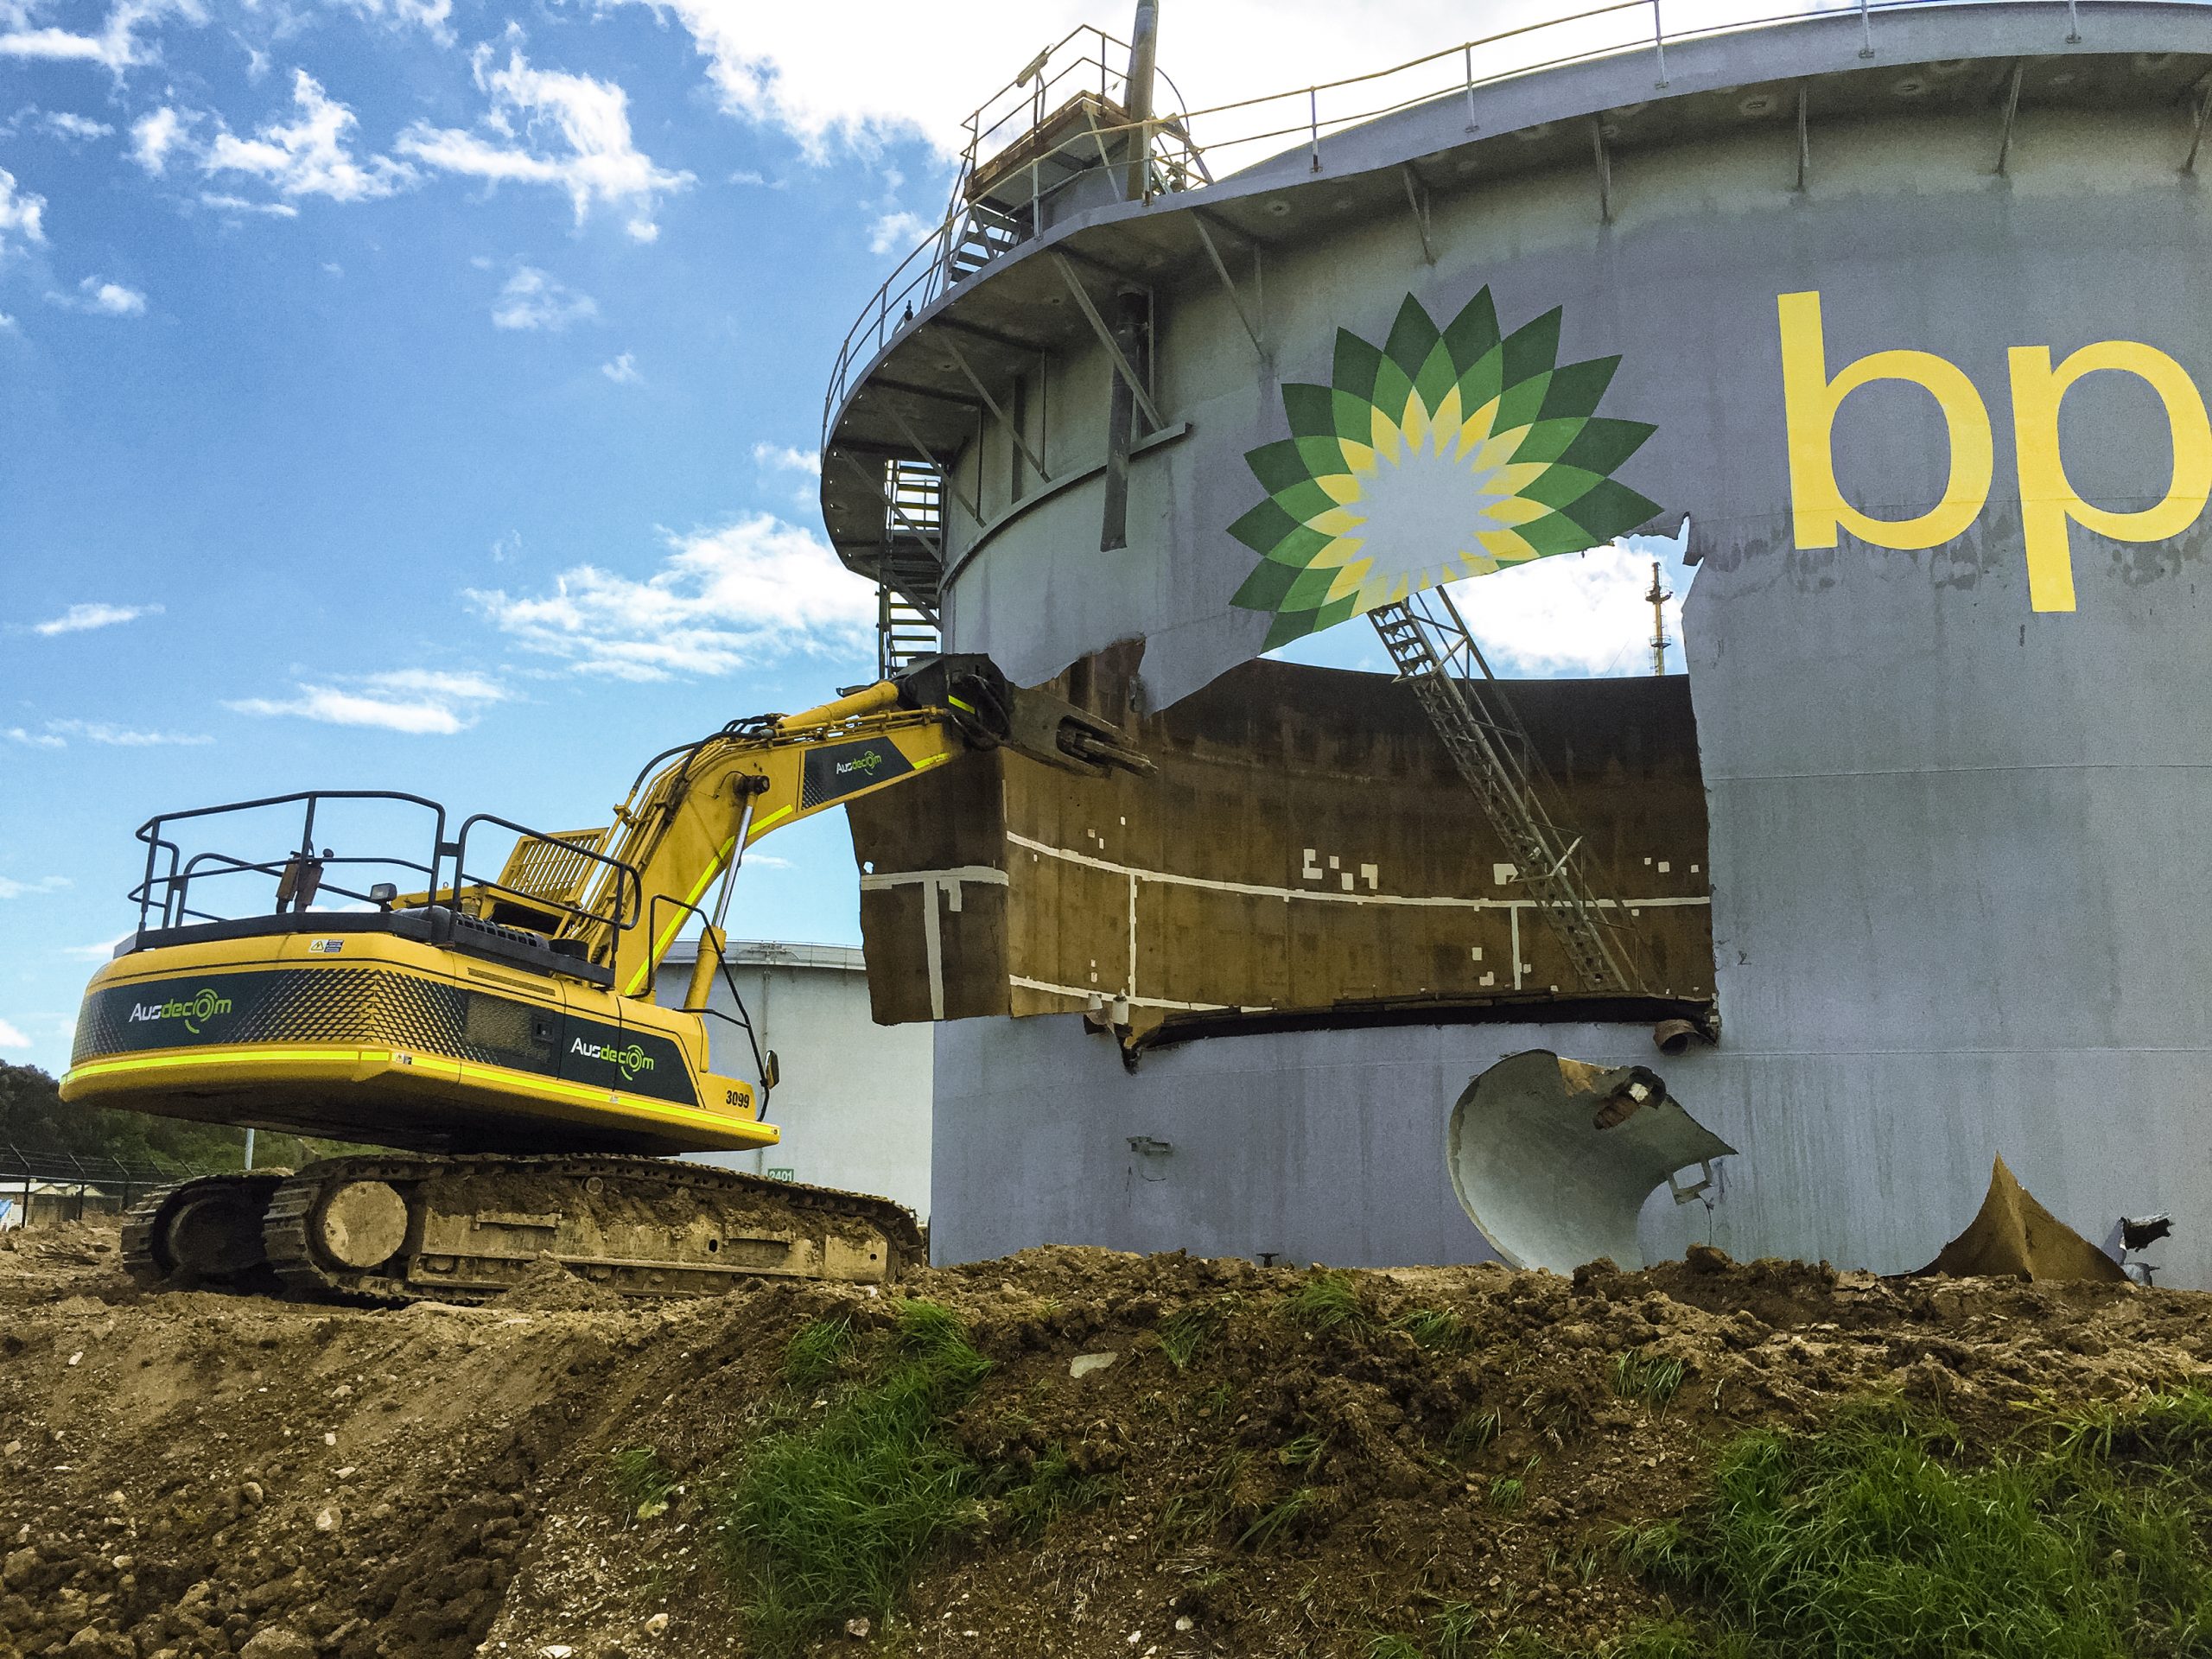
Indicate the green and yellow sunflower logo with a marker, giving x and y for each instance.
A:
(1446, 454)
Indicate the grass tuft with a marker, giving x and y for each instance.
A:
(1438, 1329)
(1184, 1333)
(1387, 1645)
(1650, 1379)
(1472, 1433)
(1278, 1519)
(1506, 1492)
(1326, 1300)
(1053, 1487)
(816, 1351)
(641, 1480)
(827, 1522)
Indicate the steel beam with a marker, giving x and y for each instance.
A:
(1106, 338)
(992, 403)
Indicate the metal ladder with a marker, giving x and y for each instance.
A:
(1434, 653)
(911, 574)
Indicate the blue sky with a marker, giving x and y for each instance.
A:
(423, 395)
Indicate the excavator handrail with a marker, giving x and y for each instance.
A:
(635, 891)
(173, 881)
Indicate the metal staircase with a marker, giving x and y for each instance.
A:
(911, 572)
(1435, 654)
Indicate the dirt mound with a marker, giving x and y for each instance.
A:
(1171, 1456)
(551, 1288)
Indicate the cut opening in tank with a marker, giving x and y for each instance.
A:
(1314, 850)
(1552, 1158)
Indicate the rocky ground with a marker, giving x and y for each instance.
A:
(1257, 1465)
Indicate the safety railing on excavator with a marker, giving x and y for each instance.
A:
(1223, 139)
(303, 872)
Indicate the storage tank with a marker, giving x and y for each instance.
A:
(1905, 310)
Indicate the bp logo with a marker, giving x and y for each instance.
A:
(194, 1011)
(1447, 453)
(629, 1061)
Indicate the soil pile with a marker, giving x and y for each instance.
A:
(1170, 1455)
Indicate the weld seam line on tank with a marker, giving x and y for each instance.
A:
(1021, 982)
(1738, 1051)
(1712, 777)
(1254, 891)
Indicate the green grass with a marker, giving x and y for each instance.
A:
(1278, 1519)
(1472, 1433)
(1052, 1487)
(1188, 1331)
(1385, 1644)
(641, 1480)
(1328, 1300)
(1437, 1328)
(1302, 1451)
(1648, 1378)
(827, 1522)
(1506, 1492)
(1882, 1534)
(1194, 1516)
(816, 1351)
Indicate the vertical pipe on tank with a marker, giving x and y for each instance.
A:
(1144, 43)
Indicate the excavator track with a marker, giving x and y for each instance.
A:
(393, 1228)
(202, 1231)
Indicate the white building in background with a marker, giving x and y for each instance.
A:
(855, 1101)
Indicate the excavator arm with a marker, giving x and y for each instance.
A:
(694, 809)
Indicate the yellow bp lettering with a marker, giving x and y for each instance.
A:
(1810, 400)
(2048, 502)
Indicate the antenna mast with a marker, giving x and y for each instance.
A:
(1658, 597)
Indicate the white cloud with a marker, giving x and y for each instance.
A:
(897, 231)
(1578, 615)
(11, 1038)
(106, 952)
(533, 299)
(431, 15)
(115, 48)
(787, 457)
(545, 127)
(34, 740)
(416, 701)
(807, 69)
(71, 128)
(223, 204)
(7, 323)
(308, 156)
(509, 546)
(723, 600)
(154, 134)
(20, 213)
(121, 737)
(623, 371)
(12, 889)
(102, 299)
(80, 618)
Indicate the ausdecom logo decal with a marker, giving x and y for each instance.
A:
(1446, 453)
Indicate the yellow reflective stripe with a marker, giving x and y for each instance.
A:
(636, 1104)
(762, 827)
(964, 708)
(928, 760)
(209, 1056)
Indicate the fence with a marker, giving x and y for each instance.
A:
(51, 1184)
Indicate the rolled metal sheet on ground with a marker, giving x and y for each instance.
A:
(1548, 1186)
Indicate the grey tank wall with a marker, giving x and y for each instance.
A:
(1313, 1146)
(1962, 905)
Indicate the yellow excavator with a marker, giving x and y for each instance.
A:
(503, 1033)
